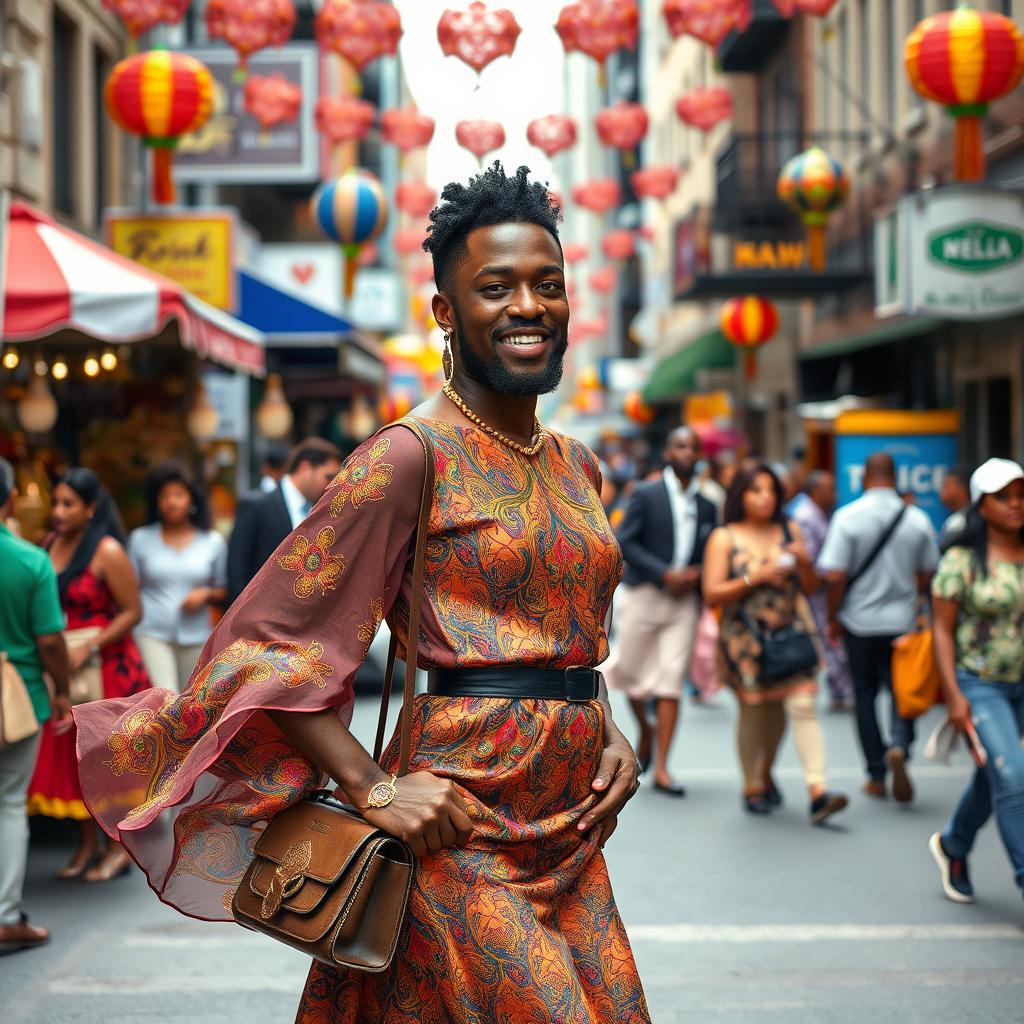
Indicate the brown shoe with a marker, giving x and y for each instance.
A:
(902, 787)
(15, 937)
(875, 788)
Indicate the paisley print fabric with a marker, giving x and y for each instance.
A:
(519, 925)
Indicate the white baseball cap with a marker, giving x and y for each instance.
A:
(992, 476)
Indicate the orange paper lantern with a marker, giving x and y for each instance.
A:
(637, 409)
(748, 323)
(965, 59)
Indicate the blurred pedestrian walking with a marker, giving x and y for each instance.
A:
(757, 570)
(978, 612)
(272, 467)
(32, 641)
(955, 495)
(264, 520)
(811, 510)
(721, 471)
(181, 564)
(100, 597)
(878, 558)
(662, 535)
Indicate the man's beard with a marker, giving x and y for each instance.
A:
(497, 377)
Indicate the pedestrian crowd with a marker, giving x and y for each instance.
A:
(738, 574)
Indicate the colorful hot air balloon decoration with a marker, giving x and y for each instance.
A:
(415, 198)
(636, 409)
(344, 118)
(272, 99)
(478, 35)
(598, 195)
(622, 126)
(406, 128)
(707, 20)
(351, 209)
(814, 185)
(705, 107)
(552, 134)
(599, 27)
(748, 323)
(161, 96)
(141, 15)
(480, 137)
(965, 59)
(250, 25)
(655, 182)
(359, 31)
(618, 245)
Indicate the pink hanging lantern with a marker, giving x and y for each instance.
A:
(707, 20)
(552, 134)
(480, 137)
(655, 182)
(622, 125)
(141, 15)
(705, 107)
(415, 198)
(817, 8)
(358, 30)
(421, 275)
(409, 241)
(347, 119)
(250, 25)
(272, 99)
(478, 36)
(599, 27)
(406, 128)
(618, 245)
(574, 252)
(603, 281)
(787, 8)
(598, 195)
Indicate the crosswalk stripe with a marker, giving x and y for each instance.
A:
(749, 933)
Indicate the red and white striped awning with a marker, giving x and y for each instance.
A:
(55, 278)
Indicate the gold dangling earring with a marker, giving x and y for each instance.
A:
(447, 362)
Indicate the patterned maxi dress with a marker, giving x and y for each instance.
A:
(519, 925)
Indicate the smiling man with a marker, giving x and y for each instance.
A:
(517, 771)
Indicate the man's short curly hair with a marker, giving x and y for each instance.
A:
(491, 197)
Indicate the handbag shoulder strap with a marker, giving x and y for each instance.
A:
(880, 544)
(415, 601)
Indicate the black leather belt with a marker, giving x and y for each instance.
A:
(573, 684)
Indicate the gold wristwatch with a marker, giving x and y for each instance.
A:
(382, 793)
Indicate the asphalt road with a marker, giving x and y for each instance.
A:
(733, 919)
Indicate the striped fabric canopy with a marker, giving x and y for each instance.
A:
(55, 278)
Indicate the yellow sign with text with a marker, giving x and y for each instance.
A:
(195, 250)
(768, 255)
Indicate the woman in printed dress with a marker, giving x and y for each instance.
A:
(513, 790)
(98, 589)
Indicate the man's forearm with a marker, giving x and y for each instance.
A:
(53, 653)
(835, 589)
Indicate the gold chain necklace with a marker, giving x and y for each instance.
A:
(525, 449)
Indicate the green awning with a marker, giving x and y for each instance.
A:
(676, 374)
(887, 330)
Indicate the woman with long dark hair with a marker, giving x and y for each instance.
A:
(978, 623)
(98, 589)
(757, 570)
(182, 568)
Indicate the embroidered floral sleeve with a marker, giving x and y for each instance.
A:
(186, 780)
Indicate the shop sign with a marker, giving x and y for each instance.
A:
(707, 408)
(748, 255)
(231, 146)
(954, 252)
(193, 248)
(229, 395)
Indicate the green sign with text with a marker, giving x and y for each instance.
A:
(977, 247)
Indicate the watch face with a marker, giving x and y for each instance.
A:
(381, 794)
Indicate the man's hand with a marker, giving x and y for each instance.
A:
(61, 714)
(617, 779)
(680, 582)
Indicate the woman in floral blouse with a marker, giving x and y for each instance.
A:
(979, 648)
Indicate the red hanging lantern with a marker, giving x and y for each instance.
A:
(415, 198)
(622, 125)
(369, 255)
(656, 182)
(409, 240)
(819, 8)
(646, 232)
(358, 30)
(161, 96)
(480, 137)
(748, 323)
(344, 119)
(703, 107)
(707, 20)
(272, 99)
(582, 328)
(552, 134)
(599, 27)
(603, 281)
(250, 25)
(965, 59)
(406, 128)
(618, 245)
(598, 195)
(636, 409)
(787, 8)
(574, 252)
(478, 36)
(421, 275)
(555, 199)
(141, 15)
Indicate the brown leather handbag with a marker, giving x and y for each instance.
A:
(323, 880)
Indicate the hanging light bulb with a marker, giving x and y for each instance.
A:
(41, 368)
(108, 360)
(202, 419)
(273, 415)
(11, 359)
(37, 411)
(91, 366)
(362, 421)
(59, 370)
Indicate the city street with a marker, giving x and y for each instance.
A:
(732, 918)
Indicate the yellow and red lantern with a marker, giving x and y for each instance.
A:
(748, 323)
(637, 409)
(965, 59)
(814, 185)
(161, 96)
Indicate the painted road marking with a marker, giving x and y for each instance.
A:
(739, 934)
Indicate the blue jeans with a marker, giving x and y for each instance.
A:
(998, 713)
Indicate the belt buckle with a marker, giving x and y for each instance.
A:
(579, 684)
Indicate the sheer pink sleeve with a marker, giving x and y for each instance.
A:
(186, 781)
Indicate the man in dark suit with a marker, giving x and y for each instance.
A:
(264, 519)
(663, 534)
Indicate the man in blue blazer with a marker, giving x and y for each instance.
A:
(663, 534)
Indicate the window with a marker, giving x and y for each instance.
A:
(62, 140)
